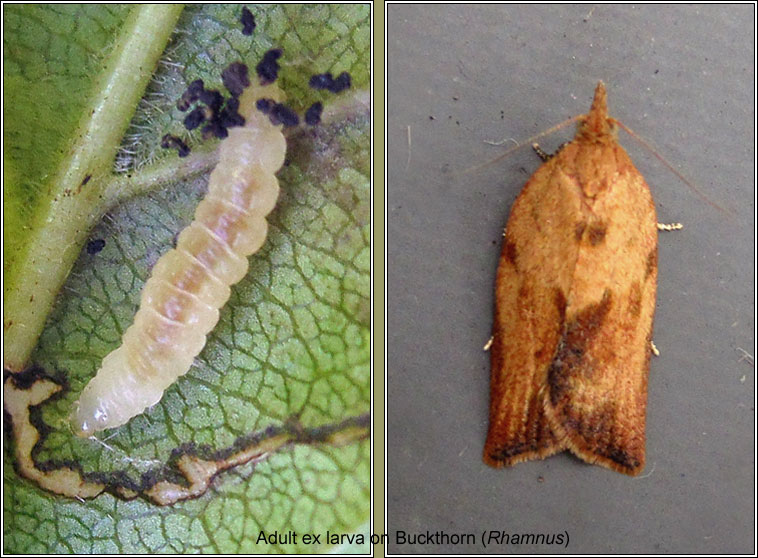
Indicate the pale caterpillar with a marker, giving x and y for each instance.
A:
(180, 302)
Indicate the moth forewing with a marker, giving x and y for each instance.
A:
(575, 297)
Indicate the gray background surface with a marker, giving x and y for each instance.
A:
(682, 77)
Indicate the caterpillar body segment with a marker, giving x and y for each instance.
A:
(180, 302)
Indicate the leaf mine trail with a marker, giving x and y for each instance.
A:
(189, 471)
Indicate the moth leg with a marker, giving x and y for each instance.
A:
(547, 156)
(669, 226)
(488, 344)
(654, 349)
(745, 356)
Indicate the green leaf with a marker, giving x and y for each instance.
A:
(64, 129)
(268, 430)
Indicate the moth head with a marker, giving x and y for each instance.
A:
(596, 125)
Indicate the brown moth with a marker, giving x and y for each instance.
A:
(181, 300)
(574, 304)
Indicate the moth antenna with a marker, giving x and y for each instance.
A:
(501, 142)
(646, 475)
(526, 142)
(668, 165)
